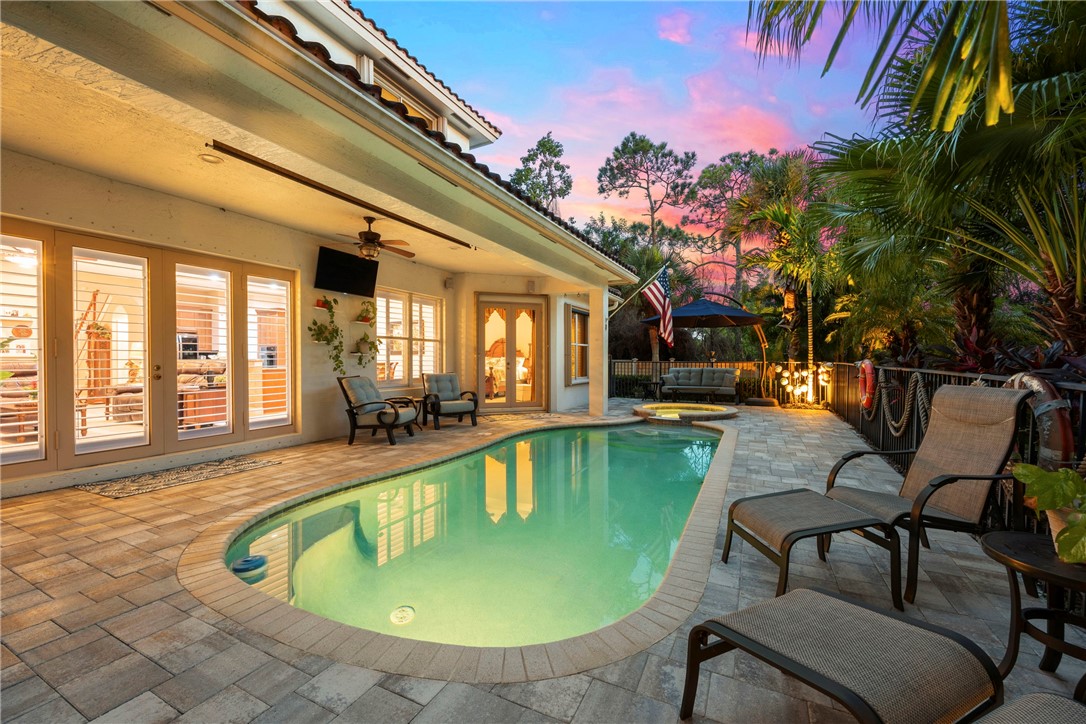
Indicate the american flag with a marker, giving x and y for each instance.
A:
(659, 295)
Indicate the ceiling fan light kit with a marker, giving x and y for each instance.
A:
(370, 244)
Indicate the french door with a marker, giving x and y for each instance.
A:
(510, 353)
(132, 351)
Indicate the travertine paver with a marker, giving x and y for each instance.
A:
(96, 622)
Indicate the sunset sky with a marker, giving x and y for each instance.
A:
(591, 72)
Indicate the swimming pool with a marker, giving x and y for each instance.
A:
(535, 539)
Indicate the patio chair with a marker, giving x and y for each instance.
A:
(366, 409)
(442, 397)
(881, 666)
(970, 436)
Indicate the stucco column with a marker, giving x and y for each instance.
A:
(597, 351)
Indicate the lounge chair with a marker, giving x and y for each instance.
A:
(366, 409)
(444, 398)
(969, 438)
(881, 666)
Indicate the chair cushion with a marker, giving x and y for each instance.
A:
(457, 406)
(887, 507)
(970, 432)
(1039, 708)
(361, 390)
(404, 415)
(445, 386)
(904, 672)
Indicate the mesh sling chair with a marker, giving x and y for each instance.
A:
(969, 438)
(442, 396)
(366, 409)
(881, 666)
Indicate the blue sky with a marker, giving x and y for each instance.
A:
(591, 72)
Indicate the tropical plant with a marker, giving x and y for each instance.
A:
(1059, 490)
(989, 202)
(653, 169)
(971, 52)
(329, 333)
(542, 176)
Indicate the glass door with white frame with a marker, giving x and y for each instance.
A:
(111, 379)
(509, 354)
(22, 396)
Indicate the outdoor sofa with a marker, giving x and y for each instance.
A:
(708, 382)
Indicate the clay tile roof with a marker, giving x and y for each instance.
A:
(286, 28)
(422, 67)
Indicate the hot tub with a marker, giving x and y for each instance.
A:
(683, 413)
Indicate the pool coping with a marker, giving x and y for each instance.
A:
(202, 571)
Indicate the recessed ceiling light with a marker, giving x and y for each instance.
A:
(209, 158)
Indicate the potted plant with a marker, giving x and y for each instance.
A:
(367, 349)
(99, 330)
(1062, 495)
(367, 314)
(329, 333)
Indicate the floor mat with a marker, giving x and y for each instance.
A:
(147, 482)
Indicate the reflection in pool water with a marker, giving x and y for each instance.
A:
(539, 538)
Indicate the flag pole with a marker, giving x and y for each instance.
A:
(639, 290)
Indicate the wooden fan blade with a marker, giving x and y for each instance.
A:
(395, 242)
(401, 252)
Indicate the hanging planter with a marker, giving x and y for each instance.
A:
(368, 313)
(367, 349)
(329, 333)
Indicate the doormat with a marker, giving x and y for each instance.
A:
(147, 482)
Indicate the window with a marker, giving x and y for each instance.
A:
(409, 328)
(577, 372)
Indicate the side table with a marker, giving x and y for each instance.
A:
(1034, 556)
(650, 389)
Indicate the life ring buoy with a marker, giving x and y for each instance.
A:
(1055, 437)
(867, 384)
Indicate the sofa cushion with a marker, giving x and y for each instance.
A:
(718, 377)
(686, 376)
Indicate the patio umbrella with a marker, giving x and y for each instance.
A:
(706, 313)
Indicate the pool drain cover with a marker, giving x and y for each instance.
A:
(402, 615)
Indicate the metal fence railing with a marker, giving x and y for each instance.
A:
(842, 396)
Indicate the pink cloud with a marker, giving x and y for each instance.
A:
(675, 27)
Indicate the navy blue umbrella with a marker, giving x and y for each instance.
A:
(706, 313)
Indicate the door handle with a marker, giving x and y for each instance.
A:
(156, 376)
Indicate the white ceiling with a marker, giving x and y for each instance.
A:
(61, 106)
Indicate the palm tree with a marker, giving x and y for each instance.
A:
(981, 197)
(798, 260)
(971, 52)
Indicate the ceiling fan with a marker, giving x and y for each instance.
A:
(370, 243)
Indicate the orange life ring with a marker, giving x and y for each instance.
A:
(1055, 437)
(867, 384)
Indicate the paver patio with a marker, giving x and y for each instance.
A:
(97, 626)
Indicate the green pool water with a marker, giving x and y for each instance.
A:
(535, 539)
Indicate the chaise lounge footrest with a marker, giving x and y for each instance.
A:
(881, 666)
(775, 522)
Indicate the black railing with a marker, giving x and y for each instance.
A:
(842, 396)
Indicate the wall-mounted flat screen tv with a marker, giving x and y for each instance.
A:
(338, 271)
